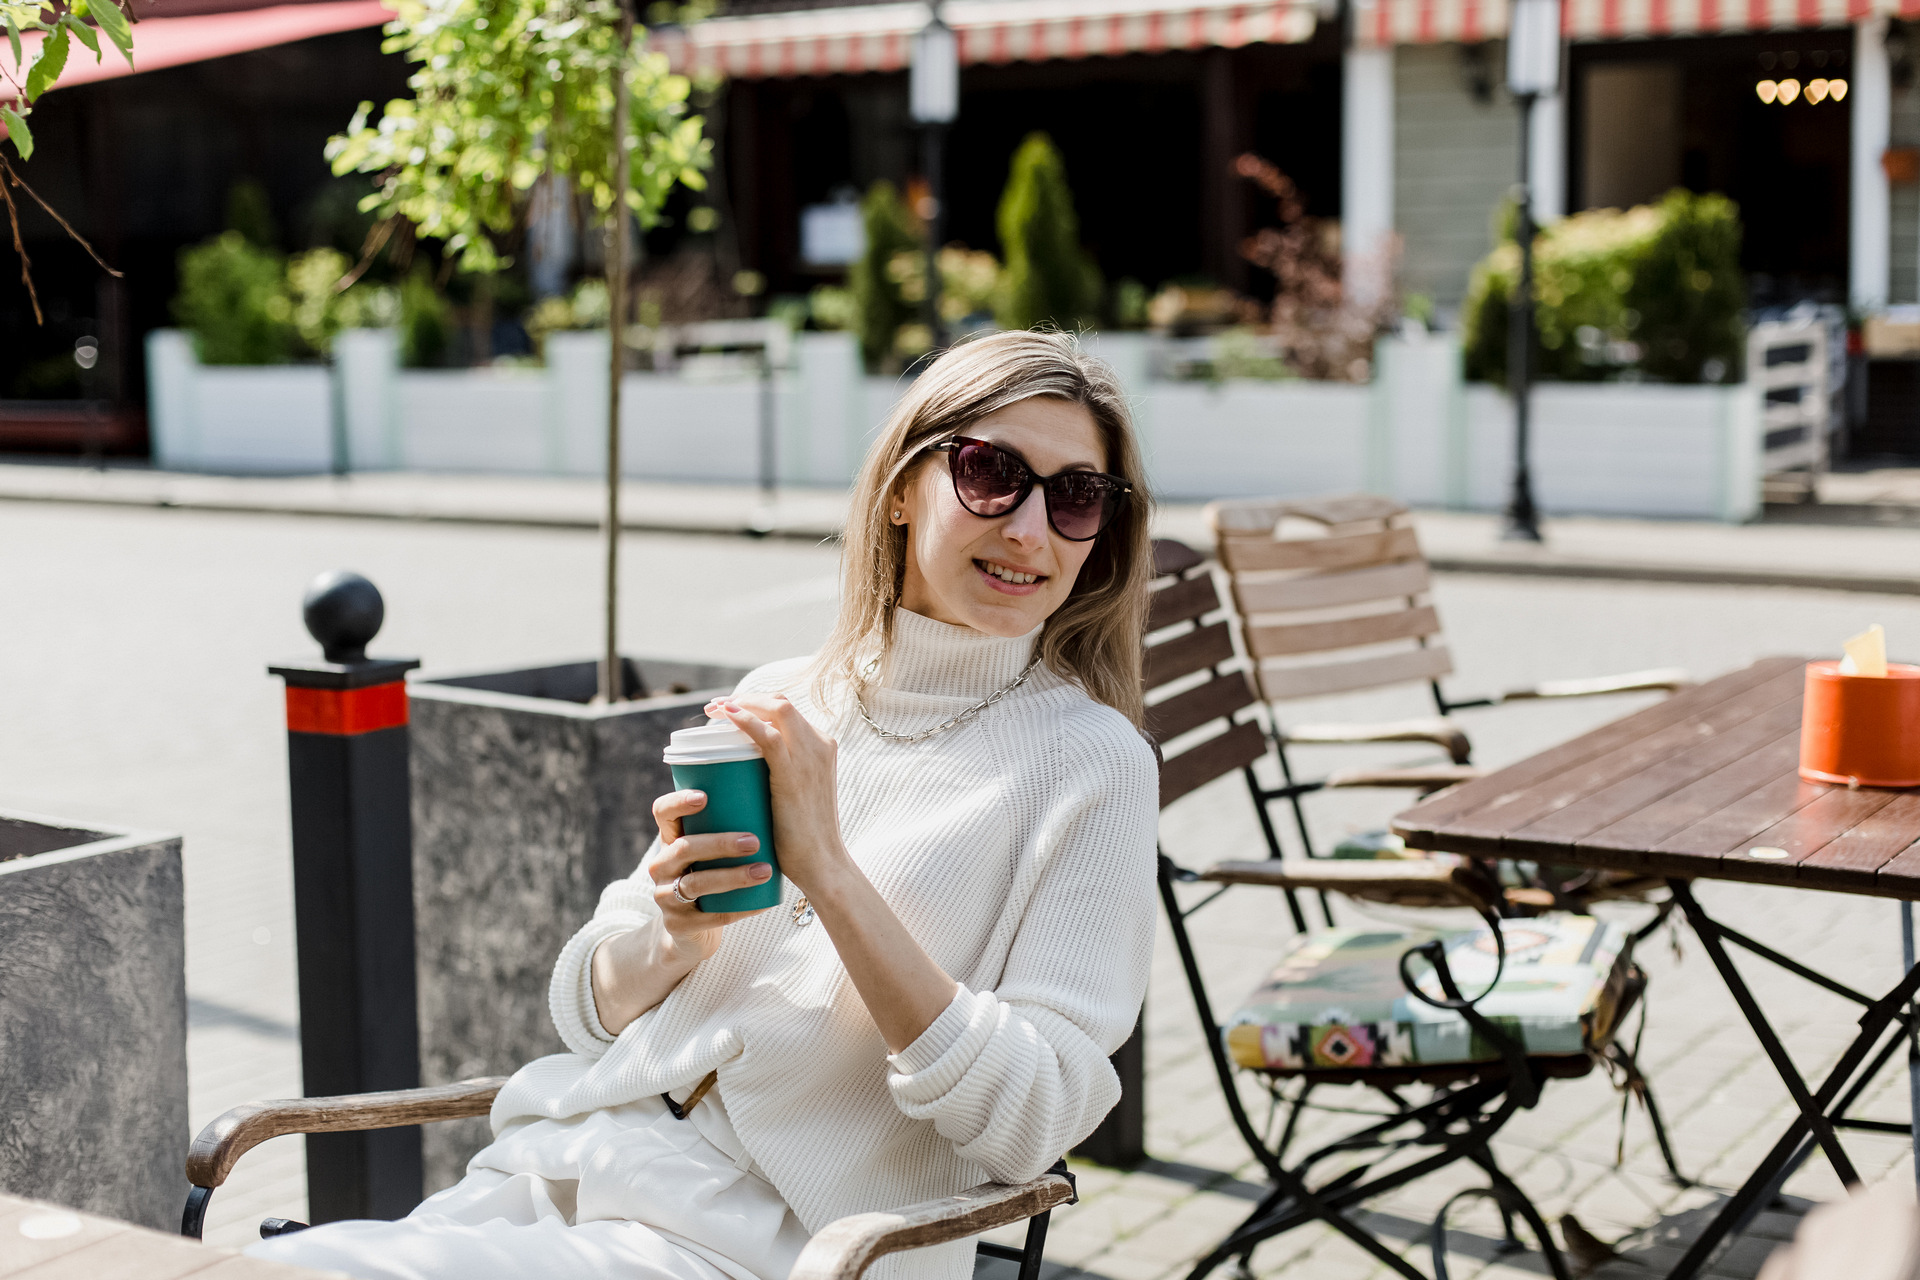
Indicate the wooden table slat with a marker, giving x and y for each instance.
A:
(1436, 813)
(1639, 832)
(19, 1252)
(1664, 776)
(130, 1253)
(1738, 823)
(1668, 747)
(1863, 849)
(1900, 876)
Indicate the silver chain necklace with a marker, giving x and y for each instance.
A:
(949, 723)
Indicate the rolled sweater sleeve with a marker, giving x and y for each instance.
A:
(624, 905)
(1017, 1075)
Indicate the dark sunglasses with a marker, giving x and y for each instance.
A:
(991, 482)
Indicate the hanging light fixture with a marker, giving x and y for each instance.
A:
(1767, 91)
(1789, 90)
(1816, 91)
(1837, 90)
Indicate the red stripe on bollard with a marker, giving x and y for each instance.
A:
(343, 712)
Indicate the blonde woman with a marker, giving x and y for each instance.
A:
(965, 807)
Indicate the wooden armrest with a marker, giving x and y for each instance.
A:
(225, 1139)
(1435, 729)
(1435, 878)
(1424, 778)
(1668, 678)
(844, 1249)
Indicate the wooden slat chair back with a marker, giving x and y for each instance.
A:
(1203, 716)
(1310, 604)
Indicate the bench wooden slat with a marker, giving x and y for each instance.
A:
(1282, 683)
(1348, 551)
(1188, 710)
(1284, 639)
(1404, 578)
(1181, 601)
(1184, 655)
(1195, 768)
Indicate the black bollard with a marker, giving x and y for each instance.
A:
(353, 896)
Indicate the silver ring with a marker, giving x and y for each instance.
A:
(683, 897)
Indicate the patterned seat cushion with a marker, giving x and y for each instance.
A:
(1336, 999)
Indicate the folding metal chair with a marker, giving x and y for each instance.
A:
(1347, 606)
(1205, 722)
(841, 1250)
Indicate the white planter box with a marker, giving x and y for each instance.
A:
(1242, 439)
(273, 418)
(485, 420)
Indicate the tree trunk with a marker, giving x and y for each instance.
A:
(612, 687)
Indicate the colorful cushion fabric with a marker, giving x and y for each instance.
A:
(1336, 999)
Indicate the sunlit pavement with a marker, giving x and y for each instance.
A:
(136, 647)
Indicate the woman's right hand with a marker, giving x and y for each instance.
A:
(632, 972)
(694, 934)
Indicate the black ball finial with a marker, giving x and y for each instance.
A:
(343, 612)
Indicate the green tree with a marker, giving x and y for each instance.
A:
(508, 93)
(1049, 278)
(880, 307)
(505, 93)
(60, 27)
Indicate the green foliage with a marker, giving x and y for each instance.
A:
(505, 91)
(1130, 299)
(61, 28)
(320, 310)
(881, 308)
(1049, 279)
(586, 308)
(833, 308)
(1655, 289)
(233, 298)
(251, 214)
(424, 322)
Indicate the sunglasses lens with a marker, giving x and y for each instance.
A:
(988, 481)
(1080, 504)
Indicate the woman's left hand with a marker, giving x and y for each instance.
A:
(802, 765)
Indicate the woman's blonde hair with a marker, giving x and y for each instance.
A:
(1094, 637)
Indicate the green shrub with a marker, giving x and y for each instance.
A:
(321, 311)
(1655, 289)
(233, 299)
(1049, 278)
(424, 322)
(880, 306)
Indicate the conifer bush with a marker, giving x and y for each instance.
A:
(1049, 278)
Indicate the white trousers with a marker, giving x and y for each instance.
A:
(628, 1193)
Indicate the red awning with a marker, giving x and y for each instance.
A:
(877, 37)
(173, 42)
(1384, 22)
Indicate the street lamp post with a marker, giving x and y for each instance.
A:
(933, 94)
(1533, 69)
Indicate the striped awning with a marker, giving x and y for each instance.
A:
(1384, 22)
(879, 37)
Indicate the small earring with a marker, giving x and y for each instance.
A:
(898, 516)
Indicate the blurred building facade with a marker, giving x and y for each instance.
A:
(1390, 115)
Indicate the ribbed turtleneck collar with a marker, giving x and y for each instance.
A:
(938, 659)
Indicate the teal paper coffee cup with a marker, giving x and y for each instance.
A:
(723, 762)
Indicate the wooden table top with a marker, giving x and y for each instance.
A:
(40, 1241)
(1689, 787)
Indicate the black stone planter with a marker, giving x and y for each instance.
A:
(527, 801)
(93, 1019)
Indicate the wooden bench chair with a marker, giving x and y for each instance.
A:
(1333, 595)
(842, 1250)
(1204, 720)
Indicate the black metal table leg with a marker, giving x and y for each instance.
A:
(1817, 1111)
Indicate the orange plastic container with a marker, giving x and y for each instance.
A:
(1861, 731)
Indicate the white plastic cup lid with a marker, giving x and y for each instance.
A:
(714, 742)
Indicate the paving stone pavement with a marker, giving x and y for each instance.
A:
(136, 693)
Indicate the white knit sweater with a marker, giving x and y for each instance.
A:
(1017, 849)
